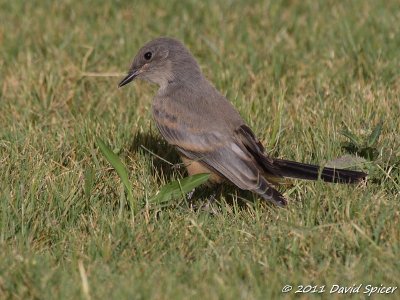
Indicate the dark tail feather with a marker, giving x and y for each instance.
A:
(298, 170)
(269, 193)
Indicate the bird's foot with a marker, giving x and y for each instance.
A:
(189, 195)
(177, 166)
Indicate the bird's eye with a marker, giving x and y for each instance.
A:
(148, 55)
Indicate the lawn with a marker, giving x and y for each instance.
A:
(299, 72)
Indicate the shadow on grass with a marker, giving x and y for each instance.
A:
(166, 160)
(217, 196)
(167, 164)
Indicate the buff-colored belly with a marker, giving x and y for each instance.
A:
(194, 167)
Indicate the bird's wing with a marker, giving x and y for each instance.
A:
(224, 152)
(247, 138)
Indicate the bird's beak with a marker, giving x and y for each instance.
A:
(128, 78)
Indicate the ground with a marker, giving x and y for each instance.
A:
(298, 72)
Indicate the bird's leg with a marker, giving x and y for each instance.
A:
(177, 166)
(211, 198)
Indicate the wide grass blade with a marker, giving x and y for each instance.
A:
(352, 137)
(179, 188)
(114, 160)
(374, 136)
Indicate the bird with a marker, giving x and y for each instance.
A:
(208, 132)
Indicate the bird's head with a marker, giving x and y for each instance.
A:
(163, 61)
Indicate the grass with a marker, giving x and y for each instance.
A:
(296, 70)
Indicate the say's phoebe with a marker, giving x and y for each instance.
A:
(207, 130)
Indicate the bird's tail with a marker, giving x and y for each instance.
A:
(298, 170)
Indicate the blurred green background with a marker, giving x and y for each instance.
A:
(298, 71)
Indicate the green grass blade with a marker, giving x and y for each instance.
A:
(352, 137)
(114, 160)
(89, 181)
(178, 188)
(374, 136)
